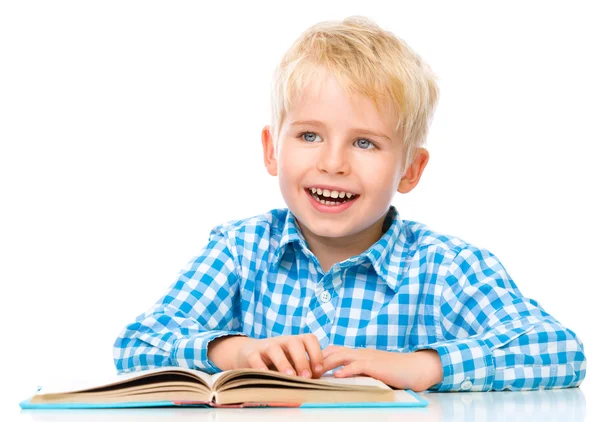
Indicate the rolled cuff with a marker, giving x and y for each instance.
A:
(468, 365)
(192, 352)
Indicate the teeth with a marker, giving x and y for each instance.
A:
(333, 194)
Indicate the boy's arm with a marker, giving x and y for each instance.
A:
(200, 306)
(493, 338)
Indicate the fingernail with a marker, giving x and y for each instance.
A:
(319, 368)
(289, 371)
(306, 373)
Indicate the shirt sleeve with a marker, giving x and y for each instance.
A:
(200, 306)
(493, 338)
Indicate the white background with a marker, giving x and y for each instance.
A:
(129, 129)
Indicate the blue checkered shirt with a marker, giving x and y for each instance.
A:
(413, 289)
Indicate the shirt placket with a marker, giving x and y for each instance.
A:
(322, 307)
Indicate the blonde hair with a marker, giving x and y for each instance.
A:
(365, 60)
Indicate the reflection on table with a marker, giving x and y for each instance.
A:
(544, 405)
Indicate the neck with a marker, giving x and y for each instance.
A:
(331, 250)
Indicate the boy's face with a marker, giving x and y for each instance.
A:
(337, 152)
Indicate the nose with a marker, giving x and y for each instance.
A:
(333, 159)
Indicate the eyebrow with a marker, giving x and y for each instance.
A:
(356, 130)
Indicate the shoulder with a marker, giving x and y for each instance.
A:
(422, 240)
(262, 226)
(460, 262)
(250, 241)
(420, 237)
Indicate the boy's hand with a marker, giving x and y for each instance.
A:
(415, 371)
(285, 354)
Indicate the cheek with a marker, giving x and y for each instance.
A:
(294, 161)
(289, 173)
(379, 175)
(285, 154)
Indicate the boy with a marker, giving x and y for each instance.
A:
(338, 279)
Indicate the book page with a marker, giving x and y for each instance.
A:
(250, 377)
(69, 384)
(303, 395)
(362, 381)
(215, 377)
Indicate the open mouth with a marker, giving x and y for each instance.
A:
(330, 200)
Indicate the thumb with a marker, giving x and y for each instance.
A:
(355, 368)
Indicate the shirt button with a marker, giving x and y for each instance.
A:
(466, 385)
(325, 296)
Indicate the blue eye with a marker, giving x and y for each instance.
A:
(308, 136)
(365, 142)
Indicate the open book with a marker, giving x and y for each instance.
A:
(175, 386)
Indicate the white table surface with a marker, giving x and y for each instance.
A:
(546, 405)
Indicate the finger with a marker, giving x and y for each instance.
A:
(343, 357)
(255, 361)
(332, 349)
(315, 354)
(295, 349)
(357, 367)
(275, 353)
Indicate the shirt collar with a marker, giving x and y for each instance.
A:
(380, 254)
(289, 233)
(386, 263)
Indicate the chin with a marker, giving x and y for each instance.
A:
(325, 230)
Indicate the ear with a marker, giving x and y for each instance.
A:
(413, 173)
(269, 151)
